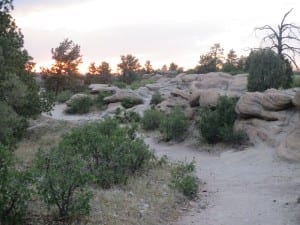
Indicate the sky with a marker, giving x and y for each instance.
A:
(162, 31)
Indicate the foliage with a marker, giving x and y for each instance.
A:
(152, 119)
(129, 102)
(129, 68)
(233, 64)
(296, 82)
(64, 96)
(12, 125)
(139, 83)
(216, 125)
(99, 74)
(19, 93)
(99, 101)
(63, 74)
(60, 180)
(127, 117)
(174, 125)
(267, 70)
(120, 84)
(112, 153)
(184, 180)
(156, 98)
(148, 69)
(14, 191)
(80, 105)
(211, 61)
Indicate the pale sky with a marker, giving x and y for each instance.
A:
(162, 31)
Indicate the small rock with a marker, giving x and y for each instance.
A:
(298, 200)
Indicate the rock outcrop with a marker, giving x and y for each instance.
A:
(97, 88)
(264, 105)
(122, 94)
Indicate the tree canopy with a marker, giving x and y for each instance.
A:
(19, 93)
(61, 75)
(129, 67)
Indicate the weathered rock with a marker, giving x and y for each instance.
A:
(76, 96)
(290, 147)
(122, 94)
(113, 107)
(166, 105)
(264, 105)
(296, 99)
(179, 93)
(97, 88)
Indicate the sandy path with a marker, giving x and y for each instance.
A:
(250, 187)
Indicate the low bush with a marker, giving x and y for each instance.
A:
(216, 125)
(156, 98)
(60, 179)
(152, 119)
(119, 84)
(174, 125)
(64, 96)
(80, 105)
(127, 117)
(99, 101)
(112, 153)
(184, 180)
(14, 191)
(129, 102)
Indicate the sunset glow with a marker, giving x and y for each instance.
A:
(159, 31)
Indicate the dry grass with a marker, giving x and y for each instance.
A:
(145, 200)
(42, 133)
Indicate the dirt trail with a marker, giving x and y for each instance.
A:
(250, 187)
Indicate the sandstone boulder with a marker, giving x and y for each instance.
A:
(263, 105)
(296, 99)
(122, 94)
(97, 88)
(290, 147)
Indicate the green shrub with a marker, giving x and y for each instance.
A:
(119, 84)
(174, 125)
(64, 96)
(112, 153)
(156, 98)
(14, 191)
(216, 125)
(296, 82)
(127, 117)
(152, 119)
(129, 102)
(184, 180)
(12, 126)
(99, 101)
(80, 105)
(60, 179)
(139, 83)
(267, 70)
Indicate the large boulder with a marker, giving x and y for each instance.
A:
(98, 88)
(122, 94)
(290, 147)
(264, 105)
(296, 99)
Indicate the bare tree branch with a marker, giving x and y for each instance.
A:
(280, 39)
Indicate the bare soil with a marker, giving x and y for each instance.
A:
(249, 187)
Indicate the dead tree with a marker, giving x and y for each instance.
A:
(284, 38)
